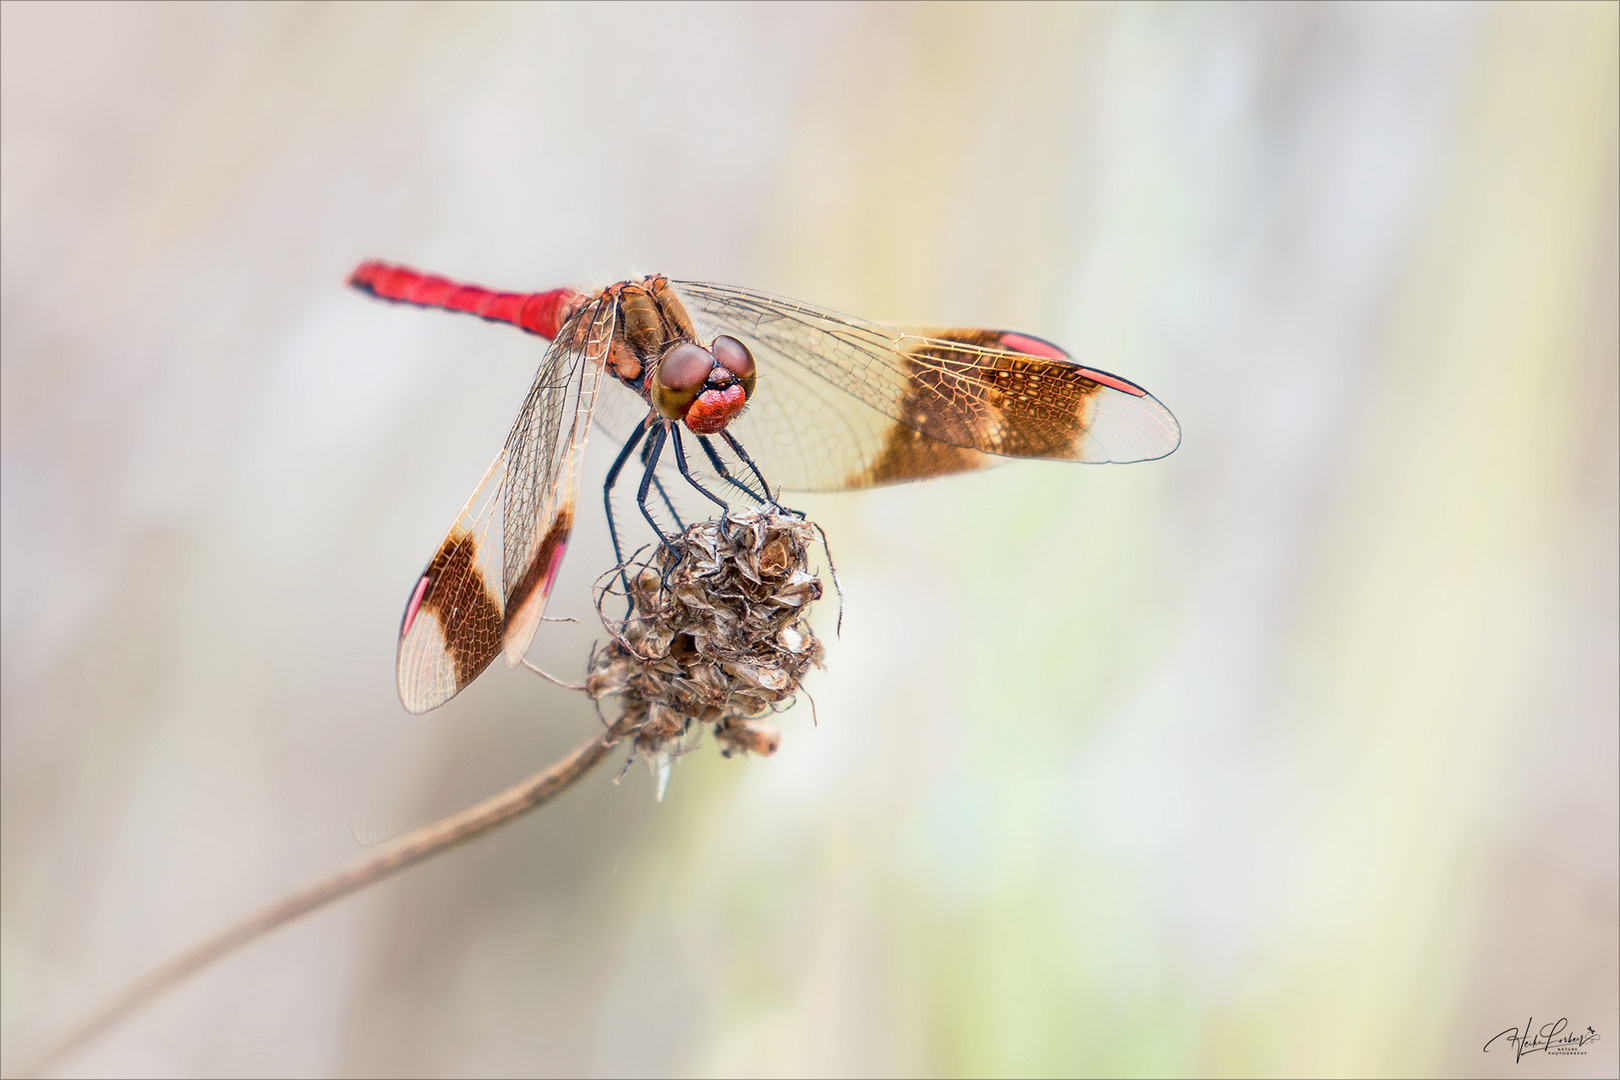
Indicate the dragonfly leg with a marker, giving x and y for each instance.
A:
(613, 478)
(686, 471)
(649, 477)
(725, 473)
(736, 448)
(656, 440)
(680, 526)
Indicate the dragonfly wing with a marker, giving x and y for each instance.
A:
(452, 625)
(987, 391)
(1039, 401)
(545, 457)
(485, 589)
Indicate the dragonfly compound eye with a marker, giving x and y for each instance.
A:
(679, 378)
(734, 356)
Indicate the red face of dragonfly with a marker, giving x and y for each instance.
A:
(821, 402)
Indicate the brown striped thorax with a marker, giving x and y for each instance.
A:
(656, 352)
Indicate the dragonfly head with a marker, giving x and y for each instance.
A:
(704, 387)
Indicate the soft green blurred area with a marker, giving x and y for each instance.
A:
(1292, 754)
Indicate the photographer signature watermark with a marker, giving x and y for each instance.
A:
(1554, 1039)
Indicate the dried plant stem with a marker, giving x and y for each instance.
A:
(403, 852)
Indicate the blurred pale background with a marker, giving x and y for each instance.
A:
(1294, 753)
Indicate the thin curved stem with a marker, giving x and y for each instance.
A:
(401, 853)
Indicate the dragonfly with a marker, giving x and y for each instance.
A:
(743, 389)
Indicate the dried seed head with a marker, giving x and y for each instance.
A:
(716, 634)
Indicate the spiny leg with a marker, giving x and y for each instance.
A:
(638, 437)
(680, 526)
(725, 473)
(613, 478)
(659, 434)
(736, 448)
(656, 442)
(686, 471)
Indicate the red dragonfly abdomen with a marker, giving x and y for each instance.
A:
(538, 313)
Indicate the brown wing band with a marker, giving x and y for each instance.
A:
(911, 455)
(541, 567)
(464, 605)
(1004, 403)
